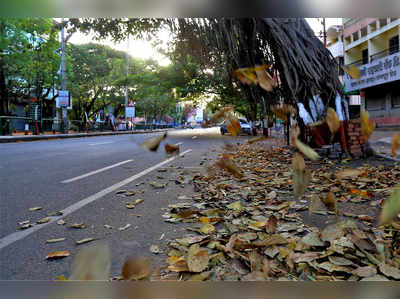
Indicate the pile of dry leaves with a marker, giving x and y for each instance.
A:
(249, 220)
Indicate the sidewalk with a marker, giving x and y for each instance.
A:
(19, 138)
(381, 140)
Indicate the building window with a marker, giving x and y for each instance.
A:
(365, 56)
(394, 45)
(396, 100)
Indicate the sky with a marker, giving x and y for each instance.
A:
(143, 49)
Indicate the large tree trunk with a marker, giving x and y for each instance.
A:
(3, 90)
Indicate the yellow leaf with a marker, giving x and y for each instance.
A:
(43, 220)
(197, 260)
(236, 206)
(246, 75)
(395, 143)
(83, 241)
(333, 120)
(61, 278)
(204, 220)
(367, 126)
(55, 240)
(207, 229)
(391, 208)
(265, 80)
(137, 268)
(57, 254)
(232, 125)
(306, 150)
(152, 144)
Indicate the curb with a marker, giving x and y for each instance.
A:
(6, 139)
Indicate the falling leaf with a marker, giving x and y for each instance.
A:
(152, 144)
(55, 240)
(353, 71)
(171, 149)
(77, 225)
(124, 227)
(367, 126)
(271, 224)
(330, 202)
(226, 163)
(137, 268)
(257, 139)
(391, 207)
(282, 111)
(306, 150)
(60, 222)
(298, 162)
(265, 80)
(246, 75)
(314, 204)
(232, 124)
(92, 262)
(197, 259)
(395, 143)
(61, 278)
(83, 241)
(301, 179)
(155, 249)
(35, 209)
(57, 255)
(333, 120)
(43, 220)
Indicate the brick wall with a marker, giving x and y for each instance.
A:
(354, 138)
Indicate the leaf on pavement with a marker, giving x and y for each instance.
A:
(25, 226)
(77, 225)
(207, 229)
(395, 143)
(92, 263)
(153, 143)
(61, 222)
(58, 213)
(108, 226)
(55, 240)
(155, 249)
(35, 209)
(83, 241)
(364, 271)
(197, 259)
(227, 163)
(389, 271)
(333, 120)
(57, 255)
(391, 208)
(124, 227)
(236, 206)
(157, 185)
(271, 224)
(171, 149)
(348, 173)
(137, 268)
(43, 220)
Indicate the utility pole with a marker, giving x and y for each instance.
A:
(63, 79)
(126, 86)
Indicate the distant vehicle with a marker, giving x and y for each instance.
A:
(244, 127)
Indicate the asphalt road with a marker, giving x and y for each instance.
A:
(81, 177)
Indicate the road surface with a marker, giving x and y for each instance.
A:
(80, 177)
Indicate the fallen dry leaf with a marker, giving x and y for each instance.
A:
(155, 249)
(227, 163)
(77, 225)
(60, 222)
(83, 241)
(330, 202)
(57, 254)
(137, 268)
(348, 173)
(124, 227)
(153, 143)
(43, 220)
(197, 260)
(35, 209)
(271, 224)
(55, 240)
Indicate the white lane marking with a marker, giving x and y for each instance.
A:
(99, 143)
(94, 172)
(14, 237)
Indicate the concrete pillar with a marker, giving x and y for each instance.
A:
(388, 104)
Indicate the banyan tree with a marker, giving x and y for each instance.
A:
(303, 71)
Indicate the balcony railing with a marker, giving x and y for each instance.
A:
(376, 56)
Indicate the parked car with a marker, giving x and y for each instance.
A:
(244, 127)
